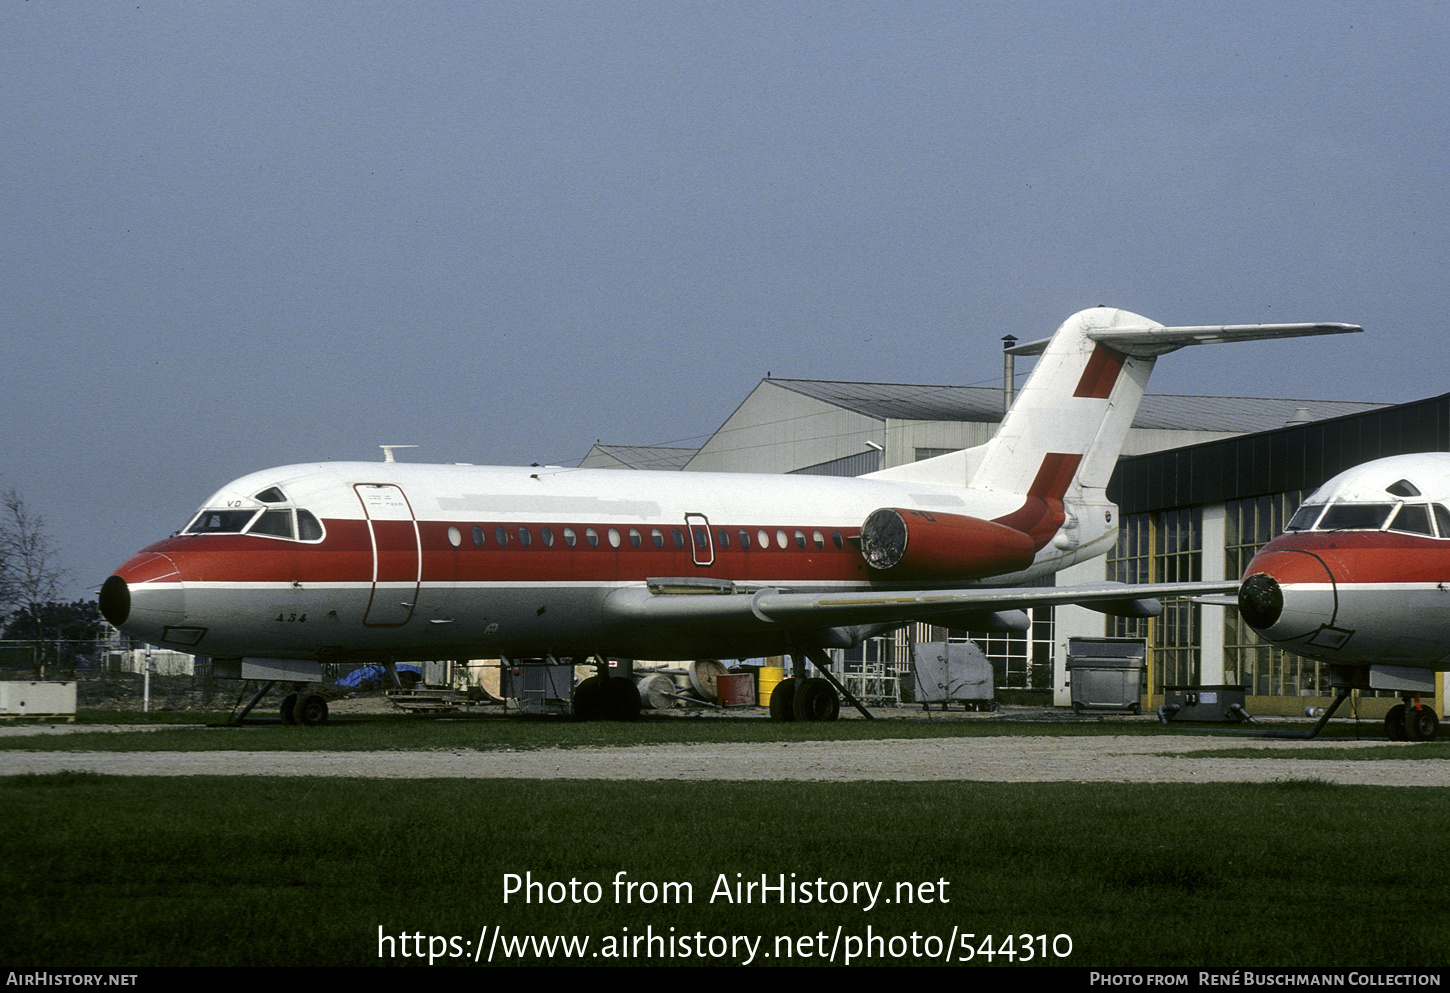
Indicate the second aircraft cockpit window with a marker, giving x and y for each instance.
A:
(1408, 518)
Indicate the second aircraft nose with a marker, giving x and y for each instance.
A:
(1261, 601)
(1288, 594)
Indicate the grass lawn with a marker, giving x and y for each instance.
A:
(111, 871)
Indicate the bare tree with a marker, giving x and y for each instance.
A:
(30, 575)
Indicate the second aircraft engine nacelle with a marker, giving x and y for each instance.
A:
(917, 544)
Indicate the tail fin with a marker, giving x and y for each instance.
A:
(1072, 416)
(1068, 423)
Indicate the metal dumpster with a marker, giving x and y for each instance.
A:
(1106, 673)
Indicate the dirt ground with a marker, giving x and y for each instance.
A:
(1004, 759)
(1112, 758)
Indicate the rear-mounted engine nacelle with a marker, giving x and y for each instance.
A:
(916, 544)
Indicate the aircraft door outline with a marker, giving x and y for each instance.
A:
(397, 554)
(702, 546)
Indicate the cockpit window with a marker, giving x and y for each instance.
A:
(271, 495)
(1305, 517)
(220, 522)
(309, 528)
(1413, 518)
(292, 525)
(1403, 488)
(1442, 520)
(1355, 517)
(277, 523)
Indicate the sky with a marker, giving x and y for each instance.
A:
(243, 235)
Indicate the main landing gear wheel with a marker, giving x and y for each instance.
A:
(289, 709)
(1395, 723)
(1421, 723)
(621, 699)
(611, 698)
(816, 700)
(782, 700)
(589, 699)
(311, 711)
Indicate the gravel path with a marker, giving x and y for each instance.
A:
(1046, 759)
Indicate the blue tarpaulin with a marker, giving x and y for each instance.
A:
(375, 677)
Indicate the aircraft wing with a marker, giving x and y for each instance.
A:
(763, 609)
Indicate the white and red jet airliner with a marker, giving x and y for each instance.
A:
(1358, 580)
(283, 570)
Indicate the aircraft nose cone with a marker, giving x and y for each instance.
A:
(145, 597)
(1261, 601)
(116, 601)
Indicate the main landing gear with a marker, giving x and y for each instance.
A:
(310, 710)
(815, 699)
(606, 698)
(797, 699)
(1411, 721)
(297, 707)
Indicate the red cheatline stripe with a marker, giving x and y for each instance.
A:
(1101, 373)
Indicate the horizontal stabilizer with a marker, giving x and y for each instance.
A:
(1149, 341)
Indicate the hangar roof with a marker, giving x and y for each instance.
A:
(638, 456)
(984, 403)
(1287, 458)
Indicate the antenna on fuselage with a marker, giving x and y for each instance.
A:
(388, 451)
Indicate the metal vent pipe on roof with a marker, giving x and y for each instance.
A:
(1008, 371)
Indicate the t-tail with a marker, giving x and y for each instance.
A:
(1067, 425)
